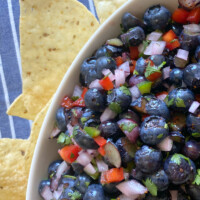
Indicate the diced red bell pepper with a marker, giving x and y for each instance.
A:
(69, 153)
(197, 97)
(67, 102)
(113, 175)
(100, 141)
(134, 53)
(106, 83)
(79, 102)
(154, 76)
(194, 16)
(102, 151)
(132, 66)
(180, 15)
(119, 60)
(84, 91)
(171, 39)
(144, 116)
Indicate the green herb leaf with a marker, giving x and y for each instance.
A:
(68, 176)
(197, 178)
(87, 183)
(170, 102)
(74, 98)
(75, 195)
(72, 155)
(151, 186)
(114, 106)
(83, 119)
(75, 130)
(160, 136)
(125, 90)
(197, 135)
(166, 126)
(128, 126)
(180, 103)
(135, 72)
(177, 158)
(173, 40)
(150, 70)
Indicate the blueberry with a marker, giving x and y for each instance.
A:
(129, 21)
(180, 99)
(192, 149)
(160, 179)
(89, 118)
(95, 99)
(194, 191)
(53, 167)
(157, 59)
(148, 160)
(157, 17)
(193, 125)
(134, 80)
(84, 140)
(157, 107)
(177, 28)
(61, 119)
(69, 182)
(191, 76)
(130, 115)
(179, 169)
(108, 50)
(137, 174)
(176, 148)
(94, 192)
(88, 71)
(126, 149)
(119, 99)
(153, 130)
(176, 76)
(77, 168)
(75, 114)
(110, 189)
(42, 185)
(105, 63)
(133, 37)
(82, 182)
(141, 65)
(110, 129)
(189, 41)
(197, 53)
(164, 195)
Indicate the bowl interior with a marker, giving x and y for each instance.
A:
(46, 150)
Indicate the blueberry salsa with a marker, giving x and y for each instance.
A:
(132, 129)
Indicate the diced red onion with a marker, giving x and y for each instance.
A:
(62, 168)
(77, 91)
(84, 158)
(89, 169)
(166, 144)
(58, 192)
(125, 67)
(183, 54)
(107, 114)
(194, 106)
(174, 194)
(92, 152)
(162, 97)
(70, 129)
(155, 47)
(154, 36)
(102, 166)
(166, 72)
(133, 135)
(120, 77)
(131, 188)
(55, 132)
(111, 76)
(193, 28)
(95, 84)
(124, 197)
(46, 193)
(135, 92)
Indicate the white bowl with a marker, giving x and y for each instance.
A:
(46, 150)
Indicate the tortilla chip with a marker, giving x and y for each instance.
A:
(52, 33)
(105, 8)
(13, 179)
(34, 136)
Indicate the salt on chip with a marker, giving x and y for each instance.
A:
(52, 32)
(13, 178)
(105, 8)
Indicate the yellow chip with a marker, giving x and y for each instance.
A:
(52, 33)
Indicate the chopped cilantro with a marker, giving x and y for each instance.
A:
(75, 195)
(180, 103)
(150, 70)
(197, 178)
(170, 102)
(135, 72)
(151, 186)
(196, 135)
(72, 155)
(173, 41)
(166, 126)
(177, 158)
(128, 126)
(145, 45)
(74, 98)
(83, 119)
(114, 106)
(68, 176)
(52, 174)
(109, 91)
(125, 90)
(87, 183)
(160, 136)
(75, 130)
